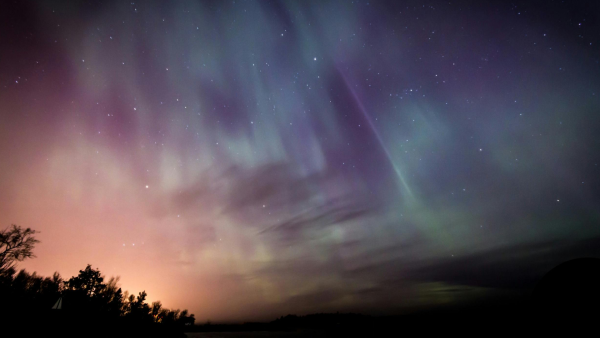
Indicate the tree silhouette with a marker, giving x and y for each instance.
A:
(16, 244)
(30, 291)
(87, 299)
(139, 309)
(185, 319)
(155, 310)
(88, 281)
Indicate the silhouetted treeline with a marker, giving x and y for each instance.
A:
(514, 318)
(89, 306)
(314, 322)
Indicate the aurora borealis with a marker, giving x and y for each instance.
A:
(249, 159)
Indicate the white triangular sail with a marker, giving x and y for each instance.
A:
(58, 304)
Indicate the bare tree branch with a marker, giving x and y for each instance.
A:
(16, 244)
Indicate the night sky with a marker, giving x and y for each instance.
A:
(250, 159)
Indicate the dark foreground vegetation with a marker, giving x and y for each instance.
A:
(89, 305)
(358, 325)
(510, 318)
(86, 305)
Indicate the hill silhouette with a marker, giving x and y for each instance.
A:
(570, 291)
